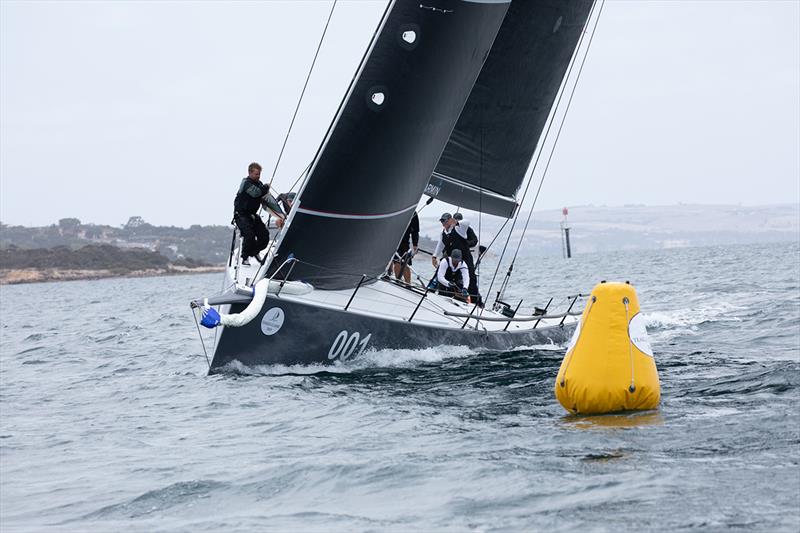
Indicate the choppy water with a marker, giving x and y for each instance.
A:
(108, 421)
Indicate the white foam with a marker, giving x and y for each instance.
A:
(692, 316)
(401, 358)
(406, 358)
(279, 370)
(665, 326)
(550, 347)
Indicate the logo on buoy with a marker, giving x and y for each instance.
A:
(638, 334)
(272, 321)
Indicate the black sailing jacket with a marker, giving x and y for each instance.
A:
(248, 199)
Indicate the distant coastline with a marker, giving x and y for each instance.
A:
(21, 265)
(198, 248)
(34, 275)
(207, 244)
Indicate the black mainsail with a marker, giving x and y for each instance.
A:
(487, 156)
(384, 144)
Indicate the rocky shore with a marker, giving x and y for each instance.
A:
(19, 265)
(38, 275)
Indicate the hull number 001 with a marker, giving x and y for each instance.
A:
(347, 345)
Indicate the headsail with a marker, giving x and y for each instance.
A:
(489, 151)
(383, 145)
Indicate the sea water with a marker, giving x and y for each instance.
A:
(109, 422)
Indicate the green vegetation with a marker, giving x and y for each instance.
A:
(91, 257)
(208, 244)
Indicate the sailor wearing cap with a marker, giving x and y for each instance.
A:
(457, 235)
(452, 275)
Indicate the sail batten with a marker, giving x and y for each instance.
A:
(354, 216)
(494, 140)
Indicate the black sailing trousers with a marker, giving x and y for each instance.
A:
(473, 279)
(255, 235)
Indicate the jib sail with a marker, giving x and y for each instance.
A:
(489, 151)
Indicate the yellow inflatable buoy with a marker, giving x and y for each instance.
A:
(609, 364)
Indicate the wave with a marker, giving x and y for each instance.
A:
(240, 369)
(386, 358)
(549, 347)
(402, 358)
(665, 326)
(774, 379)
(692, 316)
(157, 500)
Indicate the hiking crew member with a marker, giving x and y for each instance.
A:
(402, 259)
(452, 275)
(286, 200)
(458, 236)
(249, 198)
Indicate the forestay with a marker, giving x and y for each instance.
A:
(384, 143)
(489, 151)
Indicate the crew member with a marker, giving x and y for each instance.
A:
(402, 258)
(286, 200)
(457, 235)
(452, 275)
(252, 193)
(459, 218)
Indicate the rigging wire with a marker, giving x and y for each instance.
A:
(202, 342)
(558, 135)
(302, 93)
(536, 162)
(302, 174)
(543, 142)
(307, 174)
(499, 232)
(480, 209)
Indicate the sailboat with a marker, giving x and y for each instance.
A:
(450, 101)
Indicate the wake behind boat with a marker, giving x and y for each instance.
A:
(451, 100)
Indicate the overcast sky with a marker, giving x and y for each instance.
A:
(113, 109)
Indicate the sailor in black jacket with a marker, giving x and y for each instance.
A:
(249, 198)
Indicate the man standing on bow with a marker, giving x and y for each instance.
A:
(252, 193)
(457, 235)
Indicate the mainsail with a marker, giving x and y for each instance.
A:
(489, 151)
(383, 145)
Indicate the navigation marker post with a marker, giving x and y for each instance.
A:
(565, 247)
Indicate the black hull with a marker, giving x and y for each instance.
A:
(309, 334)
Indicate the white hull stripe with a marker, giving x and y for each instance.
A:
(327, 214)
